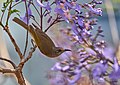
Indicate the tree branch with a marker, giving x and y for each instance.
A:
(12, 40)
(20, 77)
(2, 70)
(9, 61)
(51, 24)
(28, 57)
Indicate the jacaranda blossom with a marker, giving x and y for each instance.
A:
(46, 6)
(27, 15)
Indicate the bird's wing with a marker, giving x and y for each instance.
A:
(43, 37)
(44, 43)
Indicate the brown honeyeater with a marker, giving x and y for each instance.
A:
(42, 40)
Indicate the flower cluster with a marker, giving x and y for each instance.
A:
(94, 57)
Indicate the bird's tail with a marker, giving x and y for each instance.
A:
(24, 25)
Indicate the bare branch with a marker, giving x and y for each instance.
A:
(30, 53)
(2, 70)
(9, 61)
(28, 57)
(12, 40)
(51, 24)
(18, 72)
(20, 77)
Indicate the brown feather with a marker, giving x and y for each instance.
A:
(42, 40)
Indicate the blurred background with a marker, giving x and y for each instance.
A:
(36, 68)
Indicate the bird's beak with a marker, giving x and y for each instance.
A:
(67, 50)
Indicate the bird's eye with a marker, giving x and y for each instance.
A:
(58, 51)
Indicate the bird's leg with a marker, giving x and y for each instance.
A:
(32, 41)
(33, 45)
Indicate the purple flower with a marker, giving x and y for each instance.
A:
(68, 4)
(69, 69)
(47, 6)
(27, 16)
(59, 11)
(56, 67)
(97, 2)
(115, 65)
(57, 78)
(80, 22)
(77, 7)
(75, 30)
(63, 13)
(99, 70)
(93, 10)
(109, 53)
(49, 19)
(115, 75)
(75, 78)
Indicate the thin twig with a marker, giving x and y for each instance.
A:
(28, 57)
(2, 70)
(51, 24)
(9, 61)
(36, 9)
(94, 39)
(36, 22)
(12, 40)
(9, 10)
(46, 9)
(3, 12)
(41, 17)
(14, 43)
(16, 4)
(26, 43)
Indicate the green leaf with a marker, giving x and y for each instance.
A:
(14, 11)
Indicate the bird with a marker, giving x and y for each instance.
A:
(42, 40)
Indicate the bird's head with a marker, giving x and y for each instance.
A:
(58, 51)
